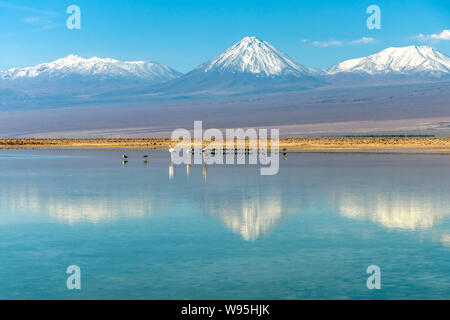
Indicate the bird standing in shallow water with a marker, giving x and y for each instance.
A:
(172, 151)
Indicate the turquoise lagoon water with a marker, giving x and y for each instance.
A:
(226, 232)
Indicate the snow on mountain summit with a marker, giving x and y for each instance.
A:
(253, 56)
(97, 67)
(397, 60)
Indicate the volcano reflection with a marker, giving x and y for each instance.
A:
(249, 216)
(237, 196)
(396, 210)
(103, 207)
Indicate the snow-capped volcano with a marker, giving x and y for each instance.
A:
(95, 67)
(251, 65)
(253, 56)
(411, 60)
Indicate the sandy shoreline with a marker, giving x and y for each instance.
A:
(290, 144)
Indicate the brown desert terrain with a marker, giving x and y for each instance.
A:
(291, 144)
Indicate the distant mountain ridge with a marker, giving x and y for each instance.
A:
(99, 68)
(402, 61)
(73, 80)
(250, 66)
(250, 56)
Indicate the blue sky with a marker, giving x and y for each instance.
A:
(184, 34)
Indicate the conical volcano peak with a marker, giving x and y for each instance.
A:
(254, 56)
(249, 41)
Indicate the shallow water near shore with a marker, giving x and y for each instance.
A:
(145, 231)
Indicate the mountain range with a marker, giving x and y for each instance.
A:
(249, 66)
(393, 65)
(403, 60)
(93, 68)
(74, 79)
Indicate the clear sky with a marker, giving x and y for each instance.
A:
(184, 34)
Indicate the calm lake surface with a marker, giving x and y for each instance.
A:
(309, 232)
